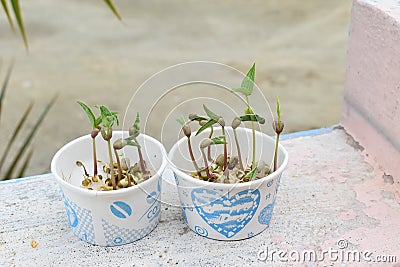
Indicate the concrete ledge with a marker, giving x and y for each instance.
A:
(371, 110)
(328, 193)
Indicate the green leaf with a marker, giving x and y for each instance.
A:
(14, 134)
(248, 81)
(7, 11)
(206, 125)
(108, 118)
(18, 17)
(113, 9)
(251, 174)
(243, 91)
(199, 118)
(137, 122)
(132, 143)
(211, 114)
(218, 140)
(89, 113)
(28, 139)
(252, 117)
(97, 122)
(278, 109)
(181, 120)
(4, 87)
(25, 164)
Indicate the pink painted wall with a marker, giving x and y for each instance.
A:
(371, 109)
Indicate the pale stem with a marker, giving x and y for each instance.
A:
(238, 149)
(114, 184)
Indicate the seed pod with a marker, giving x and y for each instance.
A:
(221, 122)
(123, 183)
(106, 168)
(125, 163)
(134, 169)
(186, 130)
(220, 160)
(86, 182)
(95, 132)
(106, 134)
(236, 122)
(233, 162)
(201, 123)
(261, 121)
(192, 116)
(95, 178)
(119, 143)
(278, 126)
(206, 143)
(108, 182)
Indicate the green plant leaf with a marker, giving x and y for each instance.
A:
(28, 139)
(199, 118)
(218, 140)
(205, 126)
(251, 174)
(252, 117)
(278, 109)
(108, 118)
(4, 87)
(132, 143)
(18, 17)
(246, 88)
(248, 81)
(17, 129)
(211, 114)
(113, 9)
(89, 113)
(97, 122)
(243, 91)
(25, 164)
(7, 11)
(181, 120)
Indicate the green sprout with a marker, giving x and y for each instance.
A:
(108, 120)
(134, 132)
(188, 132)
(213, 119)
(278, 126)
(246, 89)
(207, 142)
(95, 123)
(202, 121)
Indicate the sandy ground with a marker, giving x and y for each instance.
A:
(79, 50)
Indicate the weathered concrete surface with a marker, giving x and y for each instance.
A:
(372, 97)
(328, 193)
(79, 50)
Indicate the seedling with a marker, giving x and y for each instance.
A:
(278, 126)
(118, 174)
(228, 168)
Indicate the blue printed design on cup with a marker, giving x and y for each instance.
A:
(116, 235)
(121, 209)
(80, 220)
(151, 197)
(71, 214)
(226, 214)
(200, 230)
(266, 214)
(270, 183)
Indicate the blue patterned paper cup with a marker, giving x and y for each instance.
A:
(227, 211)
(109, 218)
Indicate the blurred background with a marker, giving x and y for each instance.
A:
(80, 51)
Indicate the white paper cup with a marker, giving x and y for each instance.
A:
(227, 211)
(109, 218)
